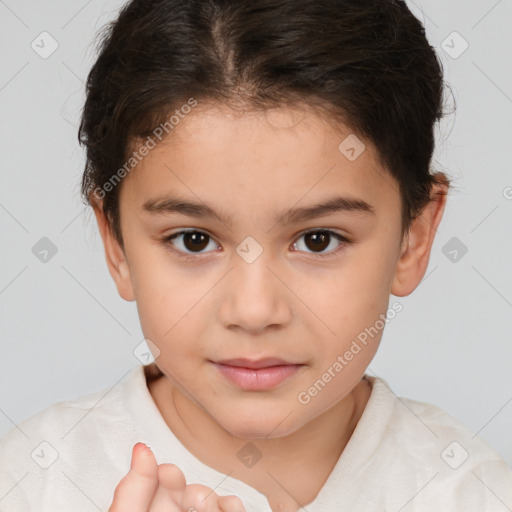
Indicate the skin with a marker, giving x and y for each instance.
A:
(149, 487)
(288, 303)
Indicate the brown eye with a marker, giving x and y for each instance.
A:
(317, 240)
(195, 241)
(190, 242)
(321, 239)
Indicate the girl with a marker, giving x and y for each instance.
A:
(260, 175)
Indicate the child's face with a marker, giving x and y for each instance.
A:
(217, 304)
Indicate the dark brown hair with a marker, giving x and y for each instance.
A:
(364, 63)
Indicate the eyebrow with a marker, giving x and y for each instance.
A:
(167, 205)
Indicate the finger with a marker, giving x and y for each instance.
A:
(138, 487)
(199, 498)
(231, 504)
(171, 477)
(169, 495)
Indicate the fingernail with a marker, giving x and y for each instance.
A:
(140, 447)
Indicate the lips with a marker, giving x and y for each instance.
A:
(257, 375)
(266, 362)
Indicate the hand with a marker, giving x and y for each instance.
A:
(149, 487)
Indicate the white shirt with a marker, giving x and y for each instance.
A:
(404, 455)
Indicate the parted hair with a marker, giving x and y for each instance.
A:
(366, 64)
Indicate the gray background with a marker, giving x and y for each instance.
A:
(65, 331)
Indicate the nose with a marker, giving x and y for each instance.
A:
(254, 297)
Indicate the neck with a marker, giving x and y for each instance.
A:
(294, 465)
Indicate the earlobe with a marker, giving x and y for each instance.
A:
(417, 245)
(114, 255)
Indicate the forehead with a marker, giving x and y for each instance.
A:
(259, 159)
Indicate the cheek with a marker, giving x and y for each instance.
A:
(350, 301)
(358, 290)
(166, 298)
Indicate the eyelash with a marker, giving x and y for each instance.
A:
(167, 241)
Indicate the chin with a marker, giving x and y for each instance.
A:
(254, 426)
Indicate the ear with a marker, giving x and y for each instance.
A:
(114, 254)
(417, 244)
